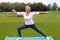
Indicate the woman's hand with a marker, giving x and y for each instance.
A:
(46, 12)
(13, 12)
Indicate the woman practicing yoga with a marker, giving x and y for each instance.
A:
(29, 23)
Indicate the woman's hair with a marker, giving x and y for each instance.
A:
(27, 7)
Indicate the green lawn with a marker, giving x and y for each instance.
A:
(48, 23)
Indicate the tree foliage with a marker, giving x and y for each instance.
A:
(49, 7)
(54, 6)
(6, 6)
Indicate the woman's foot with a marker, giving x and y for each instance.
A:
(19, 38)
(47, 38)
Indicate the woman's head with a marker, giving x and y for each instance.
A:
(27, 8)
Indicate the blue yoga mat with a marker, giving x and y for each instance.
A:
(28, 38)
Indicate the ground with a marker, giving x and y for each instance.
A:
(48, 23)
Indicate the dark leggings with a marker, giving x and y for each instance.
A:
(30, 26)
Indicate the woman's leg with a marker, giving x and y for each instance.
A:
(20, 28)
(37, 30)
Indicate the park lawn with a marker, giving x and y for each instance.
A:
(48, 23)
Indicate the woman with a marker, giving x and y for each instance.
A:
(29, 23)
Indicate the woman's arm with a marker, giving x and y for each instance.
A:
(17, 13)
(43, 12)
(13, 11)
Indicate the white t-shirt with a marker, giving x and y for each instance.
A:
(28, 19)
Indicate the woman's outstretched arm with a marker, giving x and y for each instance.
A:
(43, 12)
(12, 12)
(17, 13)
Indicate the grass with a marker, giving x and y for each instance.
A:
(48, 23)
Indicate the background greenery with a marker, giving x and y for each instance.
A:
(48, 23)
(7, 6)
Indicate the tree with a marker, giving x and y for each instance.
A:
(6, 6)
(49, 7)
(54, 6)
(58, 8)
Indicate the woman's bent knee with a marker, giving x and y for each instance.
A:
(19, 28)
